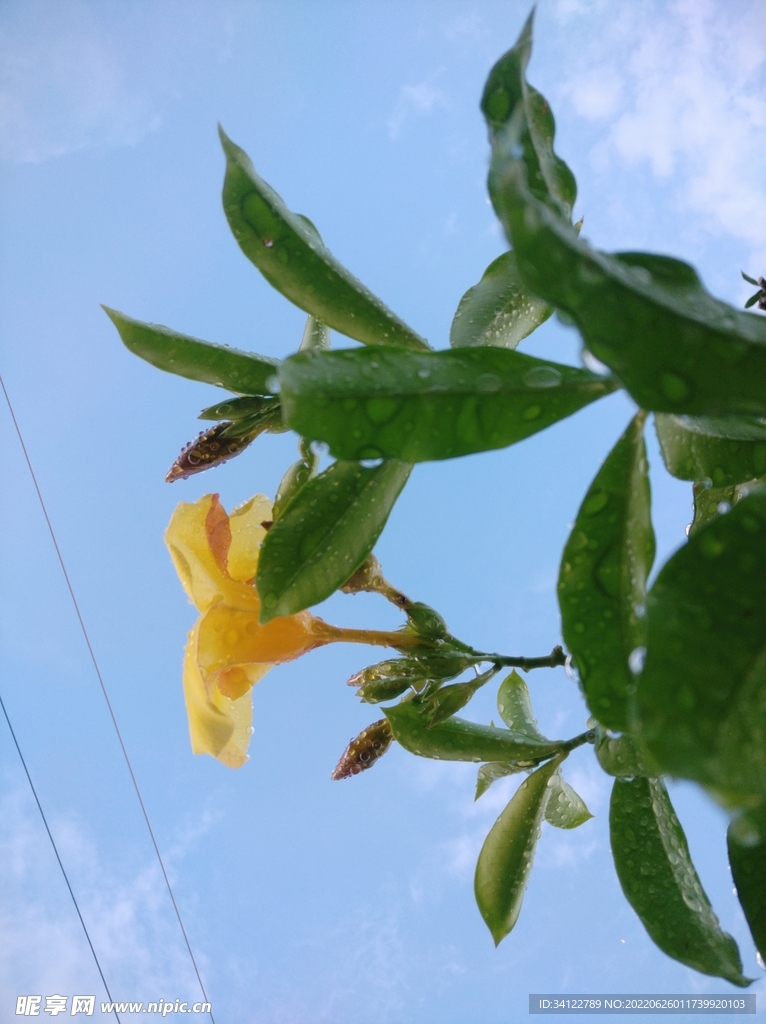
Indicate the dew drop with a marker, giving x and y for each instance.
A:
(320, 448)
(760, 961)
(542, 377)
(569, 668)
(531, 412)
(723, 507)
(636, 660)
(268, 243)
(371, 463)
(272, 384)
(488, 382)
(639, 611)
(424, 373)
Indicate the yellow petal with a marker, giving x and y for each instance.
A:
(247, 536)
(218, 725)
(188, 537)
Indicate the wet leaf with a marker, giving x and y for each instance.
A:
(505, 861)
(389, 403)
(674, 347)
(508, 95)
(316, 336)
(448, 700)
(237, 409)
(499, 310)
(489, 773)
(324, 534)
(459, 740)
(515, 708)
(624, 757)
(564, 807)
(726, 451)
(701, 698)
(747, 859)
(241, 372)
(602, 580)
(288, 251)
(659, 881)
(710, 502)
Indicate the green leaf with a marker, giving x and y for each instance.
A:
(707, 501)
(747, 859)
(726, 451)
(241, 372)
(603, 575)
(491, 772)
(288, 251)
(515, 708)
(368, 404)
(324, 534)
(499, 310)
(624, 756)
(316, 336)
(507, 95)
(564, 807)
(701, 698)
(459, 740)
(448, 700)
(710, 502)
(505, 861)
(673, 346)
(237, 409)
(659, 881)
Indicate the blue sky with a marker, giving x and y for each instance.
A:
(308, 900)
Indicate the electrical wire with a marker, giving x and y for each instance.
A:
(58, 858)
(112, 715)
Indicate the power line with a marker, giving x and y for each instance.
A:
(58, 858)
(100, 678)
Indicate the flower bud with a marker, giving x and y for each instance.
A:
(210, 449)
(362, 753)
(426, 622)
(386, 680)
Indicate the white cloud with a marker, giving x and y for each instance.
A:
(414, 100)
(679, 89)
(130, 921)
(63, 86)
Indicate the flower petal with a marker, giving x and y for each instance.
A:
(230, 636)
(218, 725)
(189, 542)
(247, 536)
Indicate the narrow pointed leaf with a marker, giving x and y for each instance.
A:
(491, 772)
(288, 251)
(747, 859)
(241, 372)
(564, 807)
(499, 310)
(515, 708)
(505, 861)
(448, 700)
(701, 698)
(673, 346)
(602, 580)
(659, 881)
(324, 534)
(389, 403)
(459, 740)
(750, 280)
(237, 409)
(725, 450)
(507, 94)
(316, 336)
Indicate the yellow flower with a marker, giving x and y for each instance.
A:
(228, 650)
